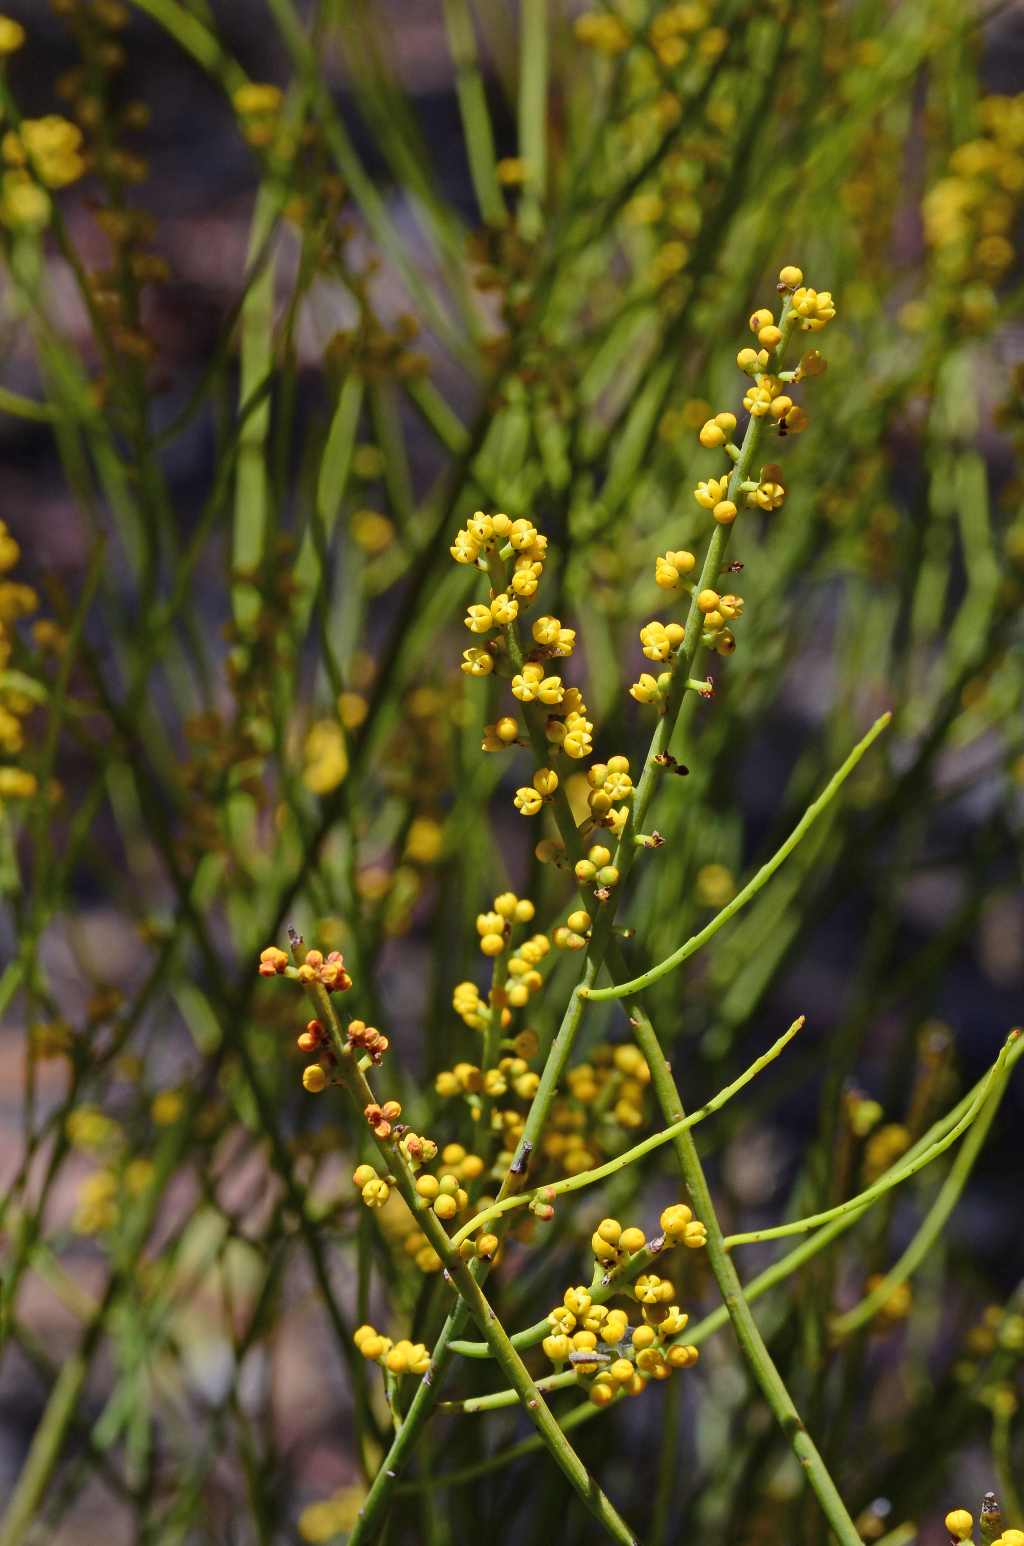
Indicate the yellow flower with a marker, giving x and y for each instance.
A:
(425, 841)
(602, 32)
(15, 784)
(504, 609)
(12, 35)
(353, 709)
(53, 147)
(167, 1108)
(23, 202)
(336, 1515)
(466, 548)
(325, 756)
(96, 1206)
(478, 619)
(371, 531)
(257, 98)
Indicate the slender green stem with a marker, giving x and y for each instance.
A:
(935, 1220)
(476, 119)
(753, 886)
(251, 482)
(500, 1398)
(533, 113)
(747, 1334)
(604, 1287)
(600, 1172)
(487, 1322)
(798, 1226)
(532, 1446)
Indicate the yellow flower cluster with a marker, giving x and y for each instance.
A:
(12, 35)
(532, 684)
(96, 1197)
(463, 1079)
(969, 215)
(336, 1515)
(627, 1067)
(483, 534)
(96, 1203)
(602, 32)
(578, 1326)
(660, 642)
(768, 398)
(258, 105)
(529, 799)
(680, 1227)
(16, 601)
(44, 153)
(399, 1357)
(325, 757)
(373, 1189)
(422, 1252)
(651, 689)
(670, 571)
(670, 28)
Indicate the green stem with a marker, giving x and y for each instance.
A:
(533, 113)
(476, 120)
(764, 874)
(562, 1044)
(491, 1329)
(936, 1218)
(749, 1337)
(251, 483)
(588, 1177)
(887, 1182)
(601, 1290)
(695, 1335)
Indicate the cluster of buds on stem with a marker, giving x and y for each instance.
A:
(367, 1039)
(397, 1357)
(587, 1336)
(329, 972)
(380, 1118)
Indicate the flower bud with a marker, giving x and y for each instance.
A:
(314, 1079)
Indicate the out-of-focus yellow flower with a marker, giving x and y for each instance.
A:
(425, 841)
(167, 1108)
(326, 757)
(336, 1515)
(12, 35)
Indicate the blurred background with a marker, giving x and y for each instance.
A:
(218, 1401)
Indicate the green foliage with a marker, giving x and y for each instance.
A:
(251, 717)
